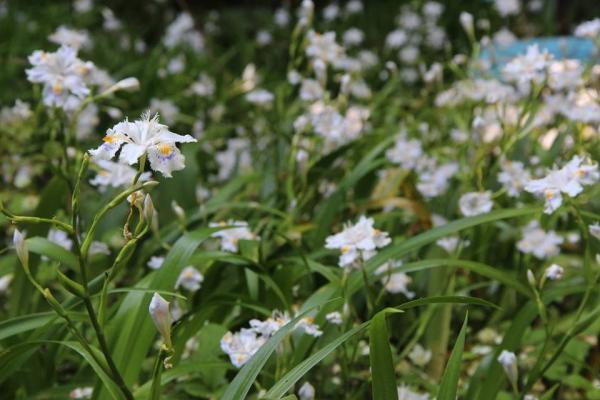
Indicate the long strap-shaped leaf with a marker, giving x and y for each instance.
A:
(383, 375)
(241, 384)
(449, 384)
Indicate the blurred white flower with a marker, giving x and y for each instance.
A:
(419, 355)
(242, 345)
(190, 279)
(590, 29)
(81, 393)
(76, 39)
(63, 76)
(476, 203)
(554, 272)
(334, 317)
(236, 231)
(507, 7)
(538, 242)
(306, 391)
(513, 177)
(155, 262)
(508, 360)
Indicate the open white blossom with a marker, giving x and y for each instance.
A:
(145, 136)
(476, 203)
(406, 152)
(236, 231)
(569, 180)
(241, 346)
(538, 242)
(357, 242)
(527, 68)
(190, 279)
(63, 75)
(507, 7)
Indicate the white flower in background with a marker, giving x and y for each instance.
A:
(260, 97)
(530, 67)
(190, 279)
(115, 174)
(508, 360)
(435, 180)
(263, 38)
(311, 90)
(475, 203)
(63, 76)
(405, 393)
(155, 262)
(87, 121)
(513, 177)
(5, 281)
(590, 29)
(554, 272)
(236, 156)
(271, 325)
(409, 54)
(242, 345)
(76, 39)
(159, 311)
(595, 230)
(306, 391)
(353, 37)
(357, 242)
(569, 180)
(433, 10)
(538, 242)
(19, 112)
(507, 7)
(236, 231)
(307, 324)
(334, 318)
(110, 23)
(281, 17)
(323, 47)
(565, 74)
(504, 37)
(331, 12)
(406, 152)
(394, 282)
(204, 86)
(60, 238)
(419, 355)
(354, 7)
(182, 32)
(166, 109)
(81, 393)
(396, 39)
(144, 136)
(83, 6)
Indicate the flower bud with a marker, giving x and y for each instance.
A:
(159, 311)
(531, 278)
(179, 212)
(21, 248)
(466, 20)
(128, 84)
(148, 209)
(508, 360)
